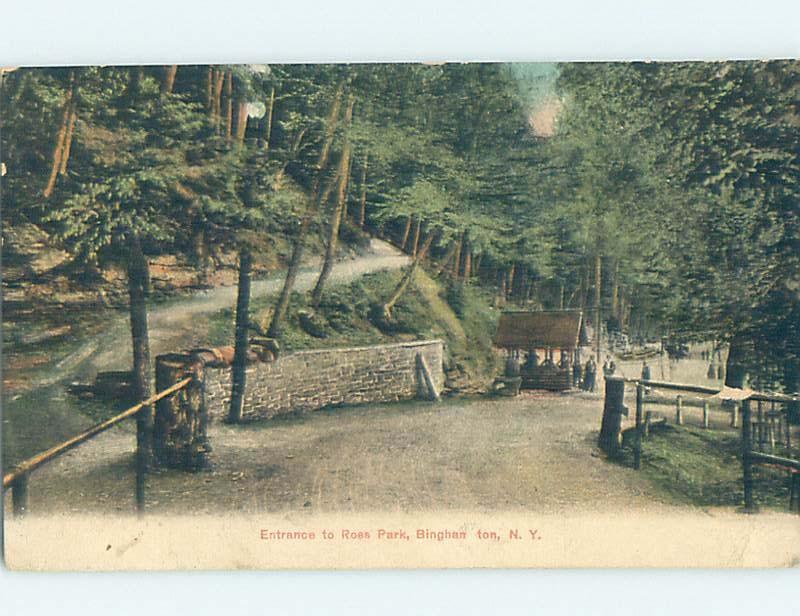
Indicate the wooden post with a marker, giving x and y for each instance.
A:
(613, 410)
(788, 418)
(19, 495)
(597, 289)
(760, 427)
(637, 452)
(735, 415)
(142, 458)
(648, 418)
(771, 433)
(747, 463)
(679, 410)
(706, 418)
(426, 379)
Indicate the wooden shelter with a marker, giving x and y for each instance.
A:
(544, 345)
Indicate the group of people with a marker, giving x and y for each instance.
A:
(586, 379)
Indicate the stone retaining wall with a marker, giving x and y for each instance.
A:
(310, 380)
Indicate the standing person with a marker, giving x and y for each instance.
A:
(609, 367)
(576, 375)
(585, 379)
(512, 365)
(645, 374)
(591, 374)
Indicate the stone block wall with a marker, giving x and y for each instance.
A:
(310, 380)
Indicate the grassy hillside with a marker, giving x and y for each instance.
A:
(462, 316)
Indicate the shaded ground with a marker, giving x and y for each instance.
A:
(533, 453)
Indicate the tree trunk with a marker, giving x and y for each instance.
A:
(199, 249)
(228, 104)
(584, 284)
(241, 121)
(328, 189)
(336, 216)
(58, 150)
(138, 290)
(502, 285)
(210, 92)
(735, 370)
(239, 372)
(598, 267)
(362, 214)
(448, 258)
(68, 141)
(615, 292)
(169, 79)
(406, 279)
(347, 183)
(417, 231)
(268, 119)
(457, 256)
(299, 245)
(510, 283)
(406, 233)
(467, 264)
(219, 82)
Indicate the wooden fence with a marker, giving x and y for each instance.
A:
(17, 479)
(766, 426)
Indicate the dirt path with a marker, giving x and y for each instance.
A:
(179, 324)
(532, 453)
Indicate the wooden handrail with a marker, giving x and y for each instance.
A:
(766, 458)
(703, 389)
(31, 464)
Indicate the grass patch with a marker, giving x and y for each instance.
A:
(703, 468)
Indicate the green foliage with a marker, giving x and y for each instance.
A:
(681, 177)
(689, 171)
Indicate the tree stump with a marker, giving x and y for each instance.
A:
(181, 422)
(613, 410)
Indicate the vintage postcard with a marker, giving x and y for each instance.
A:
(401, 315)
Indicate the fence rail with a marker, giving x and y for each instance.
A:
(17, 478)
(614, 410)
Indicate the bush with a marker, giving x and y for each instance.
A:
(353, 236)
(455, 296)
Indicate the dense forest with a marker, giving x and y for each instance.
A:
(662, 198)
